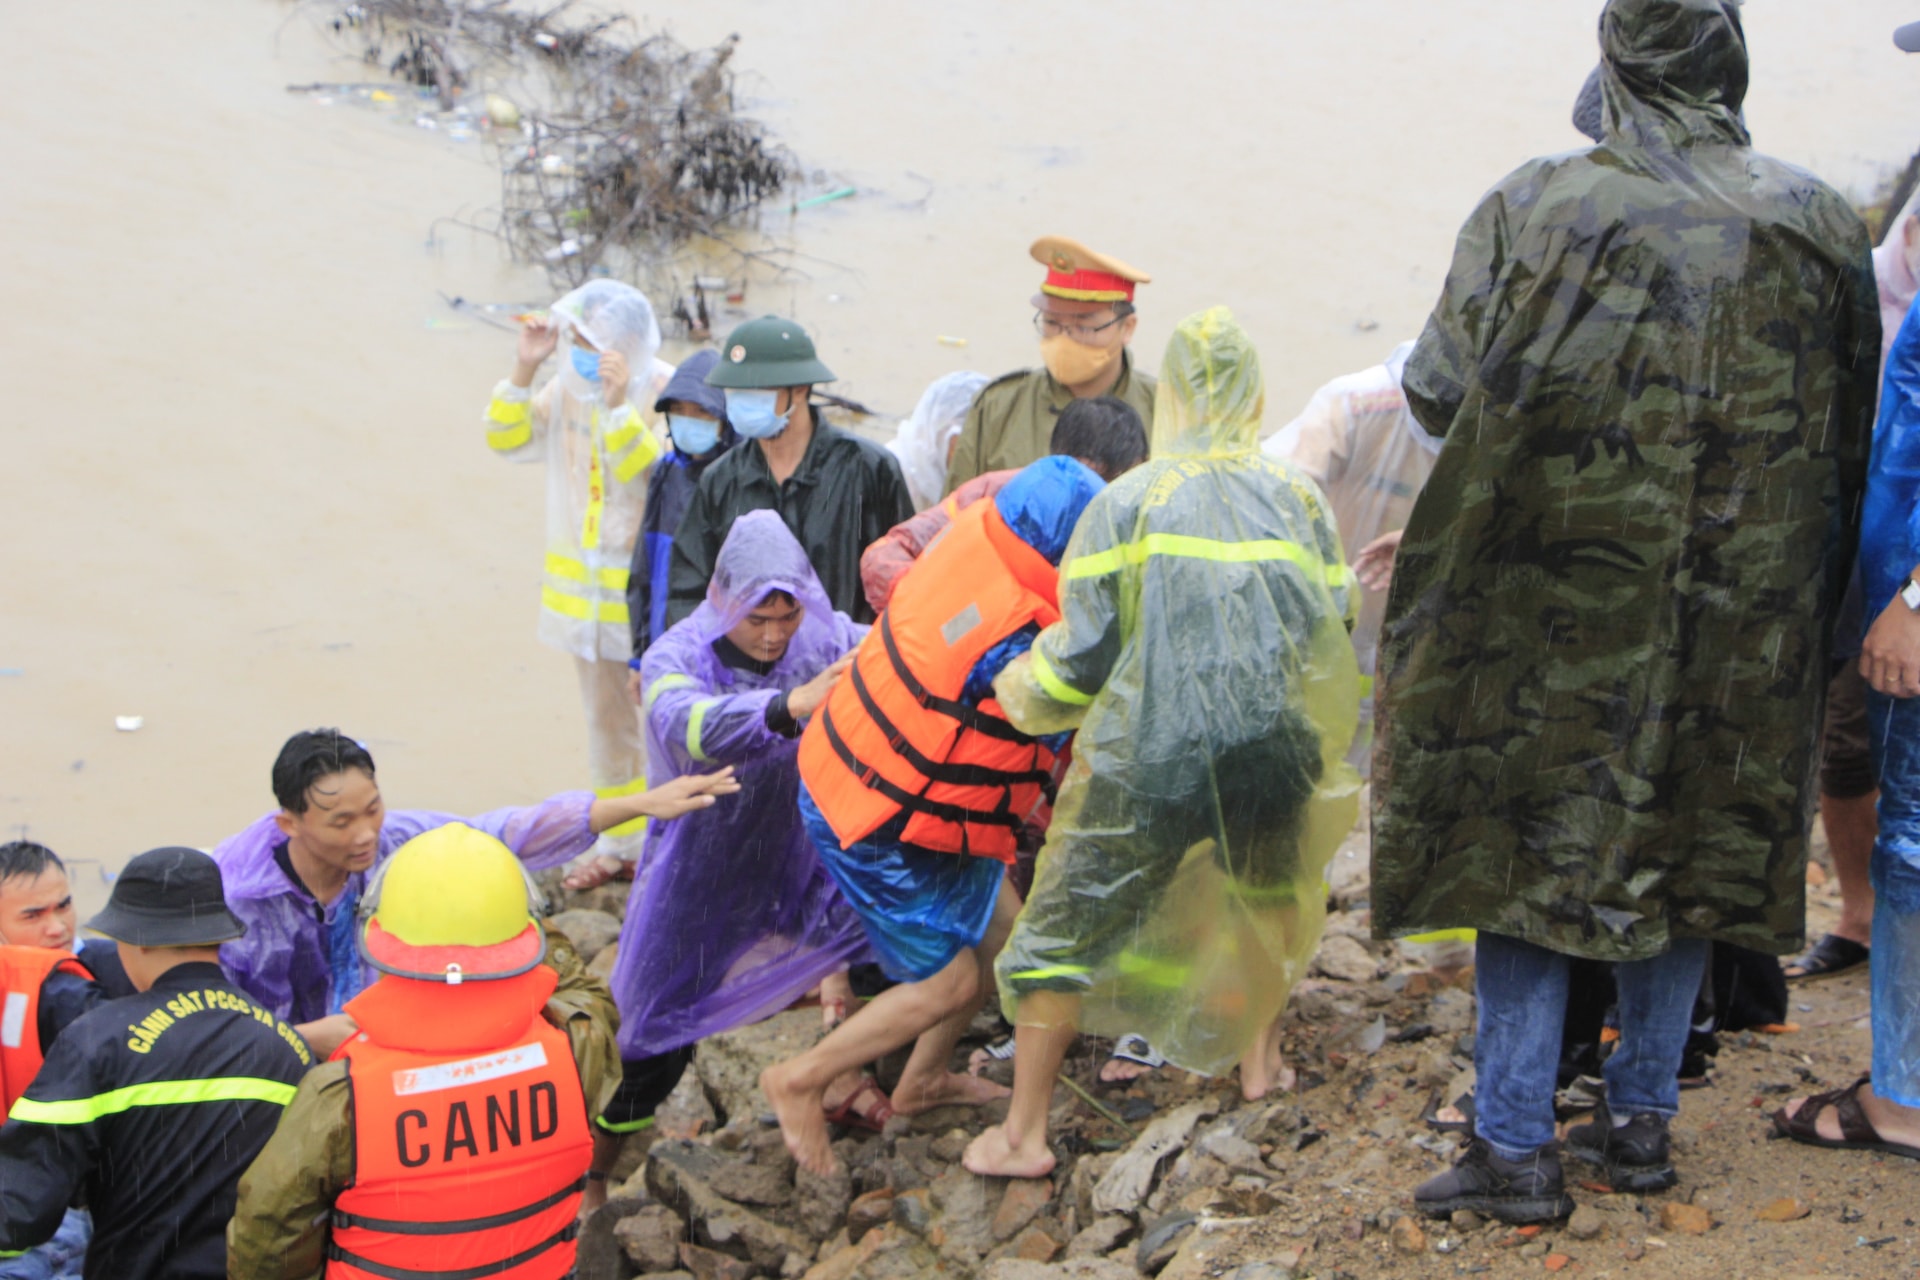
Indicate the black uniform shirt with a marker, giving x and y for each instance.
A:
(157, 1103)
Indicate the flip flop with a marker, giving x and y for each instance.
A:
(874, 1121)
(1829, 957)
(1463, 1104)
(1856, 1131)
(1136, 1049)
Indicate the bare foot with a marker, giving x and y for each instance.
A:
(836, 999)
(1262, 1069)
(802, 1122)
(1893, 1122)
(1122, 1070)
(946, 1090)
(992, 1155)
(591, 871)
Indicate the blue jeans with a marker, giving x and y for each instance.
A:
(1522, 989)
(60, 1258)
(1895, 962)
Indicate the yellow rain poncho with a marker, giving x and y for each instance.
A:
(1203, 656)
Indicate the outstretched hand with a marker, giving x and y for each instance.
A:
(538, 338)
(687, 793)
(1374, 565)
(806, 700)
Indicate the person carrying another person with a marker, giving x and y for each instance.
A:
(1203, 654)
(916, 791)
(835, 491)
(449, 1136)
(155, 1103)
(296, 876)
(1085, 318)
(926, 438)
(734, 919)
(1606, 640)
(1103, 434)
(585, 426)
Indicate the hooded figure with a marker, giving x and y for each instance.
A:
(670, 487)
(1203, 654)
(733, 918)
(925, 439)
(595, 458)
(1607, 634)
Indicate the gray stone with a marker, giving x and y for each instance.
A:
(1124, 1187)
(1072, 1269)
(1101, 1237)
(1230, 1149)
(591, 932)
(966, 1205)
(600, 1256)
(1586, 1223)
(686, 1111)
(649, 1236)
(1343, 958)
(1450, 1011)
(680, 1174)
(1161, 1240)
(820, 1204)
(729, 1064)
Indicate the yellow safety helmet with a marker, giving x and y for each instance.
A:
(452, 905)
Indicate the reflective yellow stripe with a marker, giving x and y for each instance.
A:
(1051, 971)
(620, 436)
(612, 579)
(565, 567)
(632, 826)
(159, 1093)
(637, 461)
(1444, 935)
(630, 1126)
(584, 610)
(516, 425)
(1366, 686)
(1191, 548)
(1152, 971)
(1057, 689)
(694, 724)
(664, 683)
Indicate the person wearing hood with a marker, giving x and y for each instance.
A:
(926, 439)
(297, 875)
(1202, 653)
(1085, 318)
(836, 491)
(733, 918)
(916, 793)
(1359, 442)
(585, 426)
(1607, 636)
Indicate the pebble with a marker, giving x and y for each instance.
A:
(1408, 1237)
(1785, 1209)
(1466, 1219)
(1586, 1223)
(1534, 1249)
(1688, 1218)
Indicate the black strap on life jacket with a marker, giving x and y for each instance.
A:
(954, 813)
(972, 717)
(958, 775)
(459, 1225)
(336, 1254)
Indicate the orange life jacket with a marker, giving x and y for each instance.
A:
(23, 970)
(893, 734)
(468, 1162)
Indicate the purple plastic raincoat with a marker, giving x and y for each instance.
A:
(734, 918)
(298, 958)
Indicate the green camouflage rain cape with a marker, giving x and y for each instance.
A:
(1203, 654)
(1600, 690)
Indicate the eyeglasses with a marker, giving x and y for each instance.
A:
(1050, 326)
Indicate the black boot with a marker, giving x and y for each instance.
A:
(1516, 1191)
(1638, 1156)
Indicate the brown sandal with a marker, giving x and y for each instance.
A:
(1856, 1131)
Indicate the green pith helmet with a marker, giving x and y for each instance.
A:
(768, 352)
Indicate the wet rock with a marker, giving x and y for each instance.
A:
(686, 1112)
(1688, 1218)
(871, 1210)
(1784, 1210)
(841, 1264)
(1408, 1236)
(729, 1064)
(1125, 1185)
(1022, 1203)
(1033, 1245)
(1466, 1220)
(1161, 1240)
(822, 1204)
(950, 1146)
(1087, 1172)
(1101, 1237)
(965, 1202)
(913, 1211)
(705, 1264)
(591, 932)
(1343, 958)
(1450, 1012)
(599, 1253)
(1587, 1223)
(1072, 1269)
(1534, 1249)
(681, 1175)
(649, 1235)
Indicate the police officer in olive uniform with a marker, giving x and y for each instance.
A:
(155, 1103)
(1085, 317)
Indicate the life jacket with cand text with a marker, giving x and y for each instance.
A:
(893, 735)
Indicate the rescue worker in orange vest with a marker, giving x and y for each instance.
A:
(915, 792)
(450, 1134)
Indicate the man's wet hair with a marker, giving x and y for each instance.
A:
(1105, 432)
(26, 858)
(310, 756)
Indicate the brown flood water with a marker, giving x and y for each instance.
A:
(246, 492)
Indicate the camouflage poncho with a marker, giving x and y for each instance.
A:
(1607, 642)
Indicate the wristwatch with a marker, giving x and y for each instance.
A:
(1911, 594)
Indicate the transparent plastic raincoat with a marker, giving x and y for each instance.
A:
(1203, 654)
(1361, 444)
(1607, 637)
(733, 917)
(924, 438)
(596, 462)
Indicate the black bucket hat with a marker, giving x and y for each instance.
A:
(170, 897)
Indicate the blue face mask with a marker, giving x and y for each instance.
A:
(694, 437)
(586, 363)
(752, 414)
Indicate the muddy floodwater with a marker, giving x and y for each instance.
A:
(244, 489)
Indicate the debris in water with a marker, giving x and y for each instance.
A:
(948, 341)
(129, 724)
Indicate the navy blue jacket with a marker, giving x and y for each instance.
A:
(670, 487)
